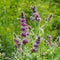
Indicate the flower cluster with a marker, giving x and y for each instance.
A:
(49, 41)
(35, 15)
(24, 28)
(17, 41)
(36, 44)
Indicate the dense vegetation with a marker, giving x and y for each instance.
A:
(9, 12)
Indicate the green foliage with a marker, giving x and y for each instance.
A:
(9, 12)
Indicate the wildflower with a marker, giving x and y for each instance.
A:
(24, 29)
(35, 15)
(17, 44)
(23, 25)
(23, 20)
(17, 41)
(37, 40)
(35, 46)
(25, 41)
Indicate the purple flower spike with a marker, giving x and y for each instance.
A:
(35, 15)
(38, 40)
(35, 46)
(23, 25)
(25, 41)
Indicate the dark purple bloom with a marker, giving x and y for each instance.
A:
(18, 42)
(37, 40)
(35, 15)
(24, 24)
(23, 34)
(38, 18)
(25, 41)
(22, 20)
(36, 45)
(23, 29)
(33, 9)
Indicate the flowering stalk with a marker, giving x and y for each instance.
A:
(23, 25)
(17, 42)
(35, 15)
(23, 28)
(36, 44)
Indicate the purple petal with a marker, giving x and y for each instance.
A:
(25, 41)
(22, 20)
(23, 34)
(35, 45)
(24, 24)
(38, 18)
(23, 29)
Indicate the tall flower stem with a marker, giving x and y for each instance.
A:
(23, 34)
